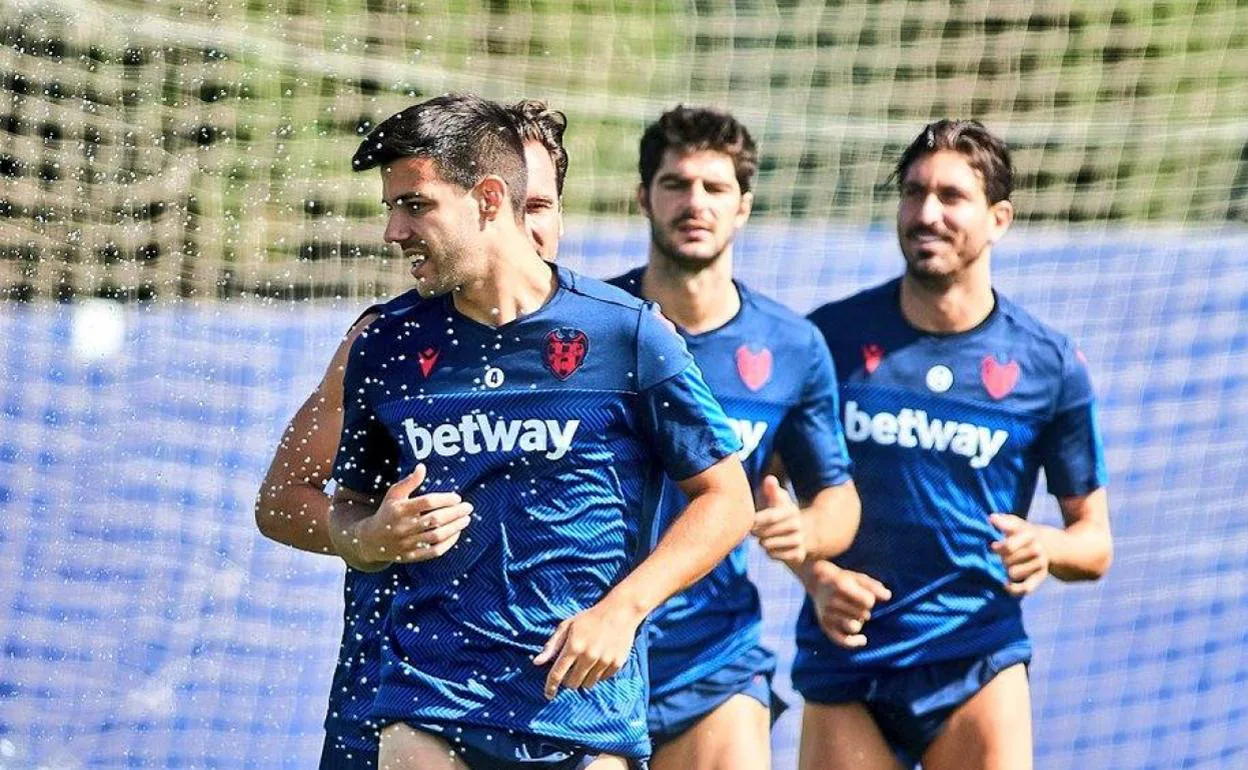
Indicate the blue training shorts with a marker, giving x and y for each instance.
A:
(911, 705)
(671, 714)
(484, 748)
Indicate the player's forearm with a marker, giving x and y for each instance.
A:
(703, 535)
(346, 517)
(1081, 551)
(830, 522)
(295, 513)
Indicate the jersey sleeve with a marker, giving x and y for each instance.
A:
(682, 421)
(810, 439)
(368, 459)
(1070, 445)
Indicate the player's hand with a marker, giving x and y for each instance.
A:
(1026, 561)
(843, 601)
(778, 524)
(413, 529)
(588, 647)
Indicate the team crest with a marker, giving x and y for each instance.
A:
(754, 368)
(428, 359)
(999, 378)
(872, 355)
(565, 351)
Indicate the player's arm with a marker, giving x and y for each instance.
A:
(377, 517)
(291, 506)
(811, 450)
(371, 533)
(594, 645)
(1082, 549)
(1070, 449)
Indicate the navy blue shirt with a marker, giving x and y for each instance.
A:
(366, 602)
(558, 428)
(770, 370)
(945, 430)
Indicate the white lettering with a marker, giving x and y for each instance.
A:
(552, 438)
(750, 434)
(911, 428)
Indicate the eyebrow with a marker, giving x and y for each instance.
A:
(403, 197)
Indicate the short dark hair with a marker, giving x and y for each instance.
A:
(539, 123)
(984, 151)
(467, 137)
(690, 129)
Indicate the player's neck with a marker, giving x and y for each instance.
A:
(698, 301)
(516, 283)
(958, 306)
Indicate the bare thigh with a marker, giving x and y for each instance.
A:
(735, 736)
(608, 762)
(843, 736)
(403, 748)
(991, 731)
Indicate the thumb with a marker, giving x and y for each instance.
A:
(403, 488)
(823, 570)
(1005, 522)
(774, 495)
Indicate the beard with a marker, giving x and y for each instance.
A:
(664, 244)
(940, 271)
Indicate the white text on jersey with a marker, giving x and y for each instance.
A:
(749, 434)
(911, 428)
(476, 433)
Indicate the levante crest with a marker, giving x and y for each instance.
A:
(565, 351)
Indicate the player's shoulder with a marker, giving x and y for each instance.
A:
(857, 306)
(389, 308)
(629, 281)
(775, 319)
(607, 297)
(1042, 338)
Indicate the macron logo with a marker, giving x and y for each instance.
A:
(749, 434)
(912, 428)
(476, 433)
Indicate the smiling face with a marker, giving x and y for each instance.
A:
(543, 216)
(434, 223)
(695, 207)
(945, 222)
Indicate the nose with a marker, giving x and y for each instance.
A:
(930, 209)
(397, 227)
(699, 198)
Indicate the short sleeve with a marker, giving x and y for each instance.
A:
(810, 439)
(1070, 446)
(368, 459)
(661, 352)
(684, 424)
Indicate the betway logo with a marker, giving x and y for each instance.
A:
(749, 434)
(912, 428)
(476, 433)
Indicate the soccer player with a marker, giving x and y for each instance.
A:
(711, 701)
(504, 441)
(292, 507)
(912, 647)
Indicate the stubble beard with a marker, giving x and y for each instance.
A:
(686, 264)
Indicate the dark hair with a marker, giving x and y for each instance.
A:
(689, 129)
(537, 122)
(984, 151)
(467, 137)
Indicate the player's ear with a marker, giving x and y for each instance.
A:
(745, 207)
(1002, 216)
(491, 196)
(643, 199)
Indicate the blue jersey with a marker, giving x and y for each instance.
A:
(366, 600)
(945, 430)
(558, 428)
(770, 370)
